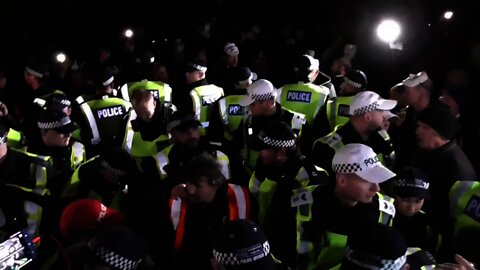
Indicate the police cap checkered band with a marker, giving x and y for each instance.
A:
(368, 261)
(65, 102)
(361, 160)
(415, 183)
(352, 83)
(109, 167)
(55, 124)
(347, 168)
(367, 101)
(113, 259)
(199, 67)
(243, 256)
(278, 143)
(265, 96)
(35, 73)
(365, 109)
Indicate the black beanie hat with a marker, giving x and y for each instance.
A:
(440, 119)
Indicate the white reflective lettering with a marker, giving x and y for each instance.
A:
(110, 112)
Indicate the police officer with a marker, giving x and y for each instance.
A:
(353, 201)
(107, 177)
(36, 76)
(150, 125)
(187, 144)
(410, 190)
(230, 112)
(337, 109)
(465, 205)
(23, 179)
(201, 94)
(64, 154)
(280, 177)
(368, 113)
(161, 91)
(304, 97)
(414, 94)
(260, 100)
(105, 121)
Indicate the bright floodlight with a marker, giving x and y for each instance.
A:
(388, 30)
(61, 57)
(448, 15)
(128, 33)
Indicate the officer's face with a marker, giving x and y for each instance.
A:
(29, 78)
(376, 119)
(260, 107)
(271, 156)
(193, 76)
(351, 187)
(145, 108)
(427, 137)
(203, 192)
(346, 89)
(54, 138)
(188, 137)
(408, 206)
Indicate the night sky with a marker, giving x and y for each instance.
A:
(79, 27)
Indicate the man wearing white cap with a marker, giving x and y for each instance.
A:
(368, 113)
(260, 100)
(413, 92)
(353, 201)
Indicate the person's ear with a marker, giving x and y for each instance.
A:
(406, 266)
(341, 180)
(367, 116)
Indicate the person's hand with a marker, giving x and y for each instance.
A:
(3, 109)
(461, 264)
(179, 191)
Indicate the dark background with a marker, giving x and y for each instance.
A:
(40, 28)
